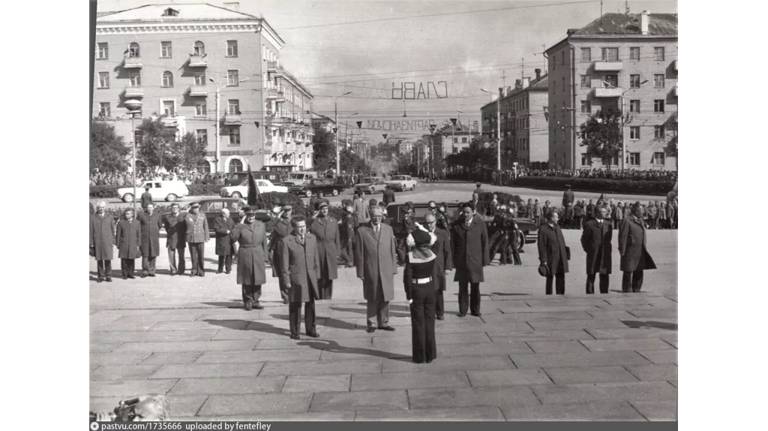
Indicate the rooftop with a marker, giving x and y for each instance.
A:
(170, 12)
(659, 24)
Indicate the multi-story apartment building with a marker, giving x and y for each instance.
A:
(203, 69)
(524, 127)
(619, 62)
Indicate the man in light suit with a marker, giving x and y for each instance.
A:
(376, 262)
(299, 273)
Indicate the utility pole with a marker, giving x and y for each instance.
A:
(498, 131)
(218, 130)
(336, 134)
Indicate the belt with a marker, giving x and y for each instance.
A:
(424, 280)
(249, 246)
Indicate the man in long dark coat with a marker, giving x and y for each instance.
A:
(300, 272)
(568, 197)
(443, 262)
(388, 196)
(281, 229)
(146, 198)
(252, 254)
(346, 236)
(469, 239)
(102, 240)
(376, 262)
(128, 239)
(552, 252)
(222, 227)
(634, 256)
(596, 242)
(325, 230)
(176, 239)
(197, 236)
(150, 239)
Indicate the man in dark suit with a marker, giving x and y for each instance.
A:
(150, 239)
(596, 242)
(469, 239)
(299, 272)
(388, 196)
(176, 238)
(443, 262)
(552, 252)
(222, 228)
(634, 256)
(146, 197)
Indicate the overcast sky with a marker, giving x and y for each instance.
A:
(458, 44)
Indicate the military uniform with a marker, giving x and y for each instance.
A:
(252, 255)
(197, 235)
(346, 236)
(281, 229)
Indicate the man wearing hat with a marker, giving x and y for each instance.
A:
(376, 262)
(197, 236)
(326, 231)
(443, 262)
(596, 242)
(553, 254)
(128, 238)
(176, 239)
(281, 229)
(634, 256)
(222, 228)
(102, 240)
(469, 239)
(346, 235)
(419, 283)
(150, 223)
(146, 197)
(300, 273)
(252, 253)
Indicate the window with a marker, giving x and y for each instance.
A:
(169, 108)
(103, 79)
(610, 54)
(634, 132)
(658, 52)
(463, 140)
(199, 48)
(634, 106)
(232, 78)
(167, 79)
(562, 57)
(233, 107)
(585, 81)
(134, 78)
(611, 81)
(634, 81)
(586, 107)
(201, 109)
(133, 50)
(634, 53)
(658, 80)
(104, 110)
(586, 55)
(234, 136)
(455, 140)
(658, 132)
(658, 158)
(231, 48)
(634, 159)
(200, 78)
(658, 105)
(202, 136)
(235, 165)
(455, 150)
(103, 51)
(584, 159)
(165, 49)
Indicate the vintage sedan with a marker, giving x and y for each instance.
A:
(264, 186)
(370, 185)
(401, 183)
(160, 190)
(319, 187)
(212, 209)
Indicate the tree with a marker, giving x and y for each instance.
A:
(189, 151)
(108, 151)
(324, 151)
(351, 162)
(601, 134)
(157, 144)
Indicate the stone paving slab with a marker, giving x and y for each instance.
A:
(455, 363)
(312, 368)
(535, 315)
(251, 356)
(458, 338)
(482, 349)
(610, 314)
(171, 358)
(654, 372)
(668, 356)
(628, 344)
(229, 385)
(559, 346)
(629, 333)
(186, 346)
(194, 325)
(657, 410)
(408, 380)
(182, 406)
(122, 358)
(150, 336)
(102, 347)
(208, 370)
(602, 411)
(465, 397)
(577, 324)
(131, 388)
(361, 400)
(500, 336)
(454, 414)
(255, 405)
(594, 359)
(123, 372)
(641, 391)
(670, 339)
(528, 376)
(589, 374)
(329, 383)
(658, 314)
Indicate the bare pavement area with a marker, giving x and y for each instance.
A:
(529, 357)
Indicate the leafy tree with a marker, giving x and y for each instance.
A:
(189, 151)
(108, 151)
(157, 145)
(351, 162)
(324, 151)
(601, 134)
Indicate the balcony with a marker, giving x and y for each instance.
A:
(169, 122)
(134, 92)
(197, 61)
(674, 65)
(674, 91)
(608, 66)
(275, 94)
(132, 63)
(198, 91)
(232, 120)
(609, 92)
(271, 66)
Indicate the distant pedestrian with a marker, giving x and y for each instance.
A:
(346, 236)
(469, 239)
(222, 228)
(596, 242)
(150, 239)
(388, 196)
(128, 238)
(325, 231)
(300, 272)
(146, 197)
(252, 255)
(176, 239)
(359, 210)
(102, 241)
(567, 196)
(553, 253)
(634, 256)
(197, 236)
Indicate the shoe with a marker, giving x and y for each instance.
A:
(99, 280)
(440, 317)
(125, 277)
(109, 279)
(248, 305)
(143, 275)
(202, 274)
(462, 314)
(295, 337)
(477, 314)
(386, 328)
(131, 276)
(172, 274)
(227, 271)
(218, 271)
(313, 334)
(370, 329)
(152, 274)
(258, 306)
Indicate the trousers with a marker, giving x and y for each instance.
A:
(423, 322)
(252, 293)
(197, 253)
(225, 263)
(104, 268)
(604, 280)
(148, 264)
(294, 317)
(469, 299)
(559, 284)
(176, 269)
(325, 288)
(127, 266)
(632, 281)
(377, 311)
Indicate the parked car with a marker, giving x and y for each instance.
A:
(299, 178)
(264, 186)
(370, 185)
(319, 187)
(401, 183)
(237, 178)
(160, 191)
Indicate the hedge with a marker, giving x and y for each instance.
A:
(597, 185)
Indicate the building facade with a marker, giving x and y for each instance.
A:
(203, 69)
(619, 63)
(524, 129)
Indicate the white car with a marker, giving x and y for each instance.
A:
(160, 191)
(401, 183)
(241, 191)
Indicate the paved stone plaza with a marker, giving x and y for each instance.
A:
(529, 357)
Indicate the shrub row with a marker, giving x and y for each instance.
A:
(597, 185)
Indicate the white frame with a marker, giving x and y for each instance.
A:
(162, 49)
(103, 74)
(162, 79)
(162, 106)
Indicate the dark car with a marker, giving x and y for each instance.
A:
(212, 209)
(237, 178)
(319, 187)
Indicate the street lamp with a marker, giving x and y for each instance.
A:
(336, 122)
(134, 107)
(498, 128)
(623, 116)
(217, 157)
